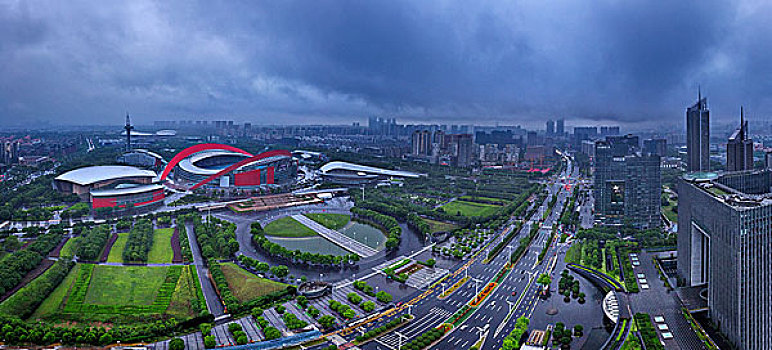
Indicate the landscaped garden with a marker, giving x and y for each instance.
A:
(116, 293)
(465, 208)
(331, 221)
(288, 227)
(440, 226)
(245, 286)
(161, 250)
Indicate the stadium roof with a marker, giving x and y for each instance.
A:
(120, 191)
(346, 166)
(93, 174)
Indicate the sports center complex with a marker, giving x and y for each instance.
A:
(199, 166)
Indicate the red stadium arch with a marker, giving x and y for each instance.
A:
(195, 149)
(273, 153)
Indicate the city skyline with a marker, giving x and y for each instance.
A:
(295, 63)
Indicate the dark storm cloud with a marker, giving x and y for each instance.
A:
(335, 61)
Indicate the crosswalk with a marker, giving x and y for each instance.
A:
(423, 277)
(414, 328)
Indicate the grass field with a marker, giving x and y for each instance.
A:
(161, 250)
(469, 208)
(479, 198)
(124, 285)
(670, 214)
(185, 298)
(288, 227)
(439, 226)
(245, 286)
(331, 221)
(56, 298)
(69, 247)
(116, 252)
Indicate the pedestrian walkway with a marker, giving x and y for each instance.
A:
(425, 276)
(336, 237)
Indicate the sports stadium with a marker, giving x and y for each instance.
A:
(112, 186)
(215, 165)
(345, 173)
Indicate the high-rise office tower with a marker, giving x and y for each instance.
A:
(626, 183)
(739, 148)
(560, 130)
(550, 127)
(723, 242)
(698, 136)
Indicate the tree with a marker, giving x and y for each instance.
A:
(177, 344)
(368, 306)
(327, 321)
(392, 243)
(280, 271)
(578, 330)
(233, 327)
(209, 341)
(262, 267)
(205, 328)
(383, 297)
(280, 309)
(105, 339)
(302, 301)
(544, 279)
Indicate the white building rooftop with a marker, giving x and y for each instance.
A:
(93, 174)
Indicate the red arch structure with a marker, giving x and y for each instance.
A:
(273, 153)
(195, 149)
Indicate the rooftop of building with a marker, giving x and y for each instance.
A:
(744, 189)
(94, 174)
(124, 190)
(346, 166)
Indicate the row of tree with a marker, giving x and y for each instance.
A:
(14, 266)
(386, 222)
(25, 301)
(91, 242)
(140, 241)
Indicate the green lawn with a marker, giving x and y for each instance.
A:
(69, 247)
(161, 251)
(331, 221)
(288, 227)
(185, 297)
(116, 252)
(55, 300)
(245, 286)
(124, 285)
(439, 226)
(670, 214)
(479, 198)
(469, 208)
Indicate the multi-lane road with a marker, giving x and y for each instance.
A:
(515, 296)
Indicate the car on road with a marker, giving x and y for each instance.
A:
(514, 293)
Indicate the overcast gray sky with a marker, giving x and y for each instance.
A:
(634, 61)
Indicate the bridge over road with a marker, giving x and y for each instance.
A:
(336, 237)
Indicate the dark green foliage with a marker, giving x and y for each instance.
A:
(177, 344)
(24, 302)
(217, 238)
(292, 321)
(92, 242)
(378, 331)
(648, 333)
(232, 303)
(140, 241)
